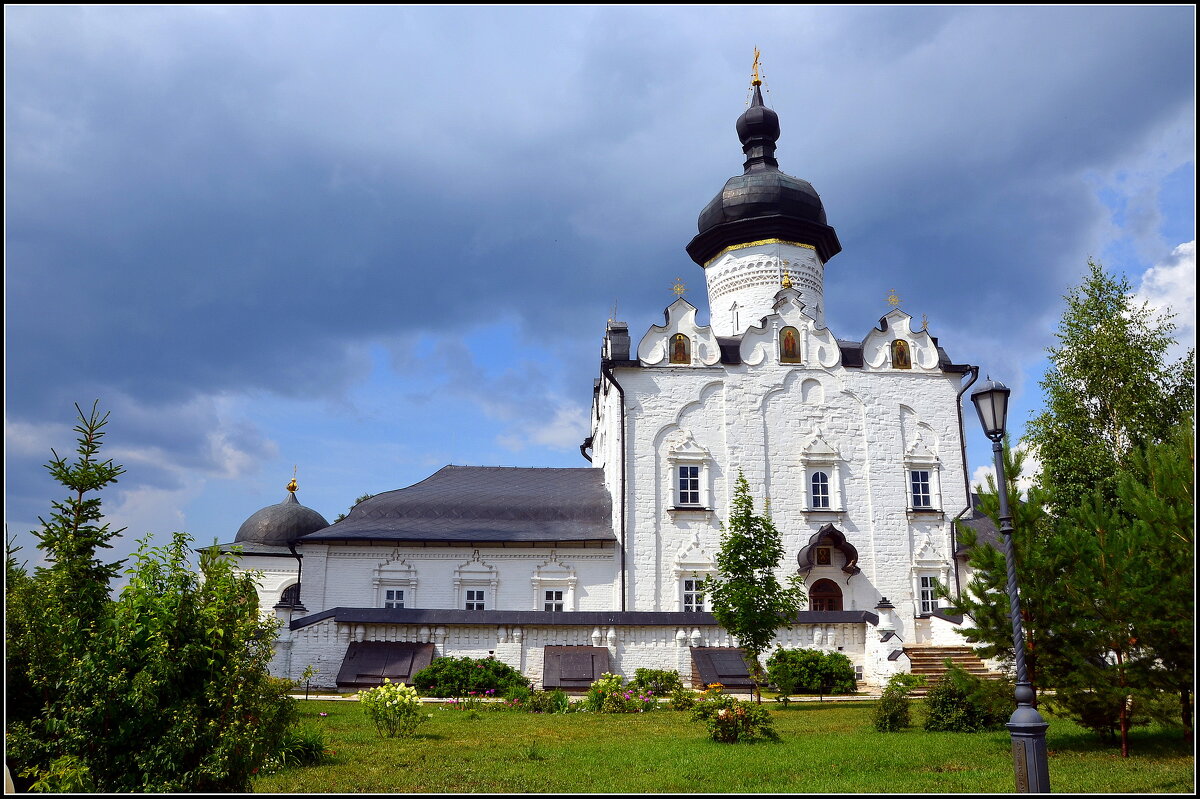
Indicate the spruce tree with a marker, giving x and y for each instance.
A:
(747, 598)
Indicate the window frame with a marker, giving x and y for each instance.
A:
(479, 599)
(699, 605)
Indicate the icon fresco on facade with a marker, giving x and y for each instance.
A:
(789, 345)
(680, 349)
(901, 359)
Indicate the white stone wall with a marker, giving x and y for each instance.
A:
(345, 575)
(760, 417)
(324, 644)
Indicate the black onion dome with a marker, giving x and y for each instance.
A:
(762, 202)
(280, 525)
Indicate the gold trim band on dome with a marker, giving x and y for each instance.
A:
(733, 247)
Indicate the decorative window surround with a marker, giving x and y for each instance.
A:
(475, 575)
(692, 566)
(928, 565)
(395, 575)
(922, 478)
(689, 473)
(557, 577)
(819, 458)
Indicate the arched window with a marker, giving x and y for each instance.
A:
(789, 345)
(825, 595)
(291, 595)
(819, 490)
(681, 349)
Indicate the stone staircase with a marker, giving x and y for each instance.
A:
(930, 662)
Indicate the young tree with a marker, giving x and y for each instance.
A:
(1109, 389)
(164, 689)
(747, 598)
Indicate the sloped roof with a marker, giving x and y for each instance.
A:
(482, 504)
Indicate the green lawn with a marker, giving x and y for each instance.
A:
(826, 748)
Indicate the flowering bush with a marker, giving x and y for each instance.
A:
(730, 720)
(394, 708)
(609, 694)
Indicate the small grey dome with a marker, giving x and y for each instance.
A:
(280, 525)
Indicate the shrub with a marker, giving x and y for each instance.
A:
(962, 702)
(682, 699)
(446, 677)
(656, 681)
(810, 670)
(548, 702)
(609, 694)
(730, 720)
(892, 711)
(517, 695)
(394, 708)
(302, 746)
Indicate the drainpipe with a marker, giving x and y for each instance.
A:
(962, 439)
(606, 370)
(584, 447)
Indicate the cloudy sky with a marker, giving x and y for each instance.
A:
(368, 242)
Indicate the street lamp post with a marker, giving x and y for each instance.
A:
(1026, 725)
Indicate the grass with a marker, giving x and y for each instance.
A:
(827, 748)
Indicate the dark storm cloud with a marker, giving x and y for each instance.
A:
(231, 201)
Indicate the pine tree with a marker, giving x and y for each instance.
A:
(747, 598)
(985, 597)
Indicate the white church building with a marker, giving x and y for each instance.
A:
(568, 573)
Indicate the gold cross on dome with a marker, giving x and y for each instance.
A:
(757, 81)
(893, 298)
(679, 288)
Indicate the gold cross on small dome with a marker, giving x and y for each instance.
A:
(893, 298)
(679, 288)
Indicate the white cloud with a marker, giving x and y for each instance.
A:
(565, 430)
(1170, 285)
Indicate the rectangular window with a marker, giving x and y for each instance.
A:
(475, 600)
(689, 485)
(693, 595)
(820, 490)
(554, 601)
(393, 598)
(922, 494)
(928, 595)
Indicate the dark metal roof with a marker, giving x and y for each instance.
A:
(583, 618)
(251, 548)
(484, 504)
(731, 349)
(281, 524)
(762, 202)
(852, 357)
(986, 531)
